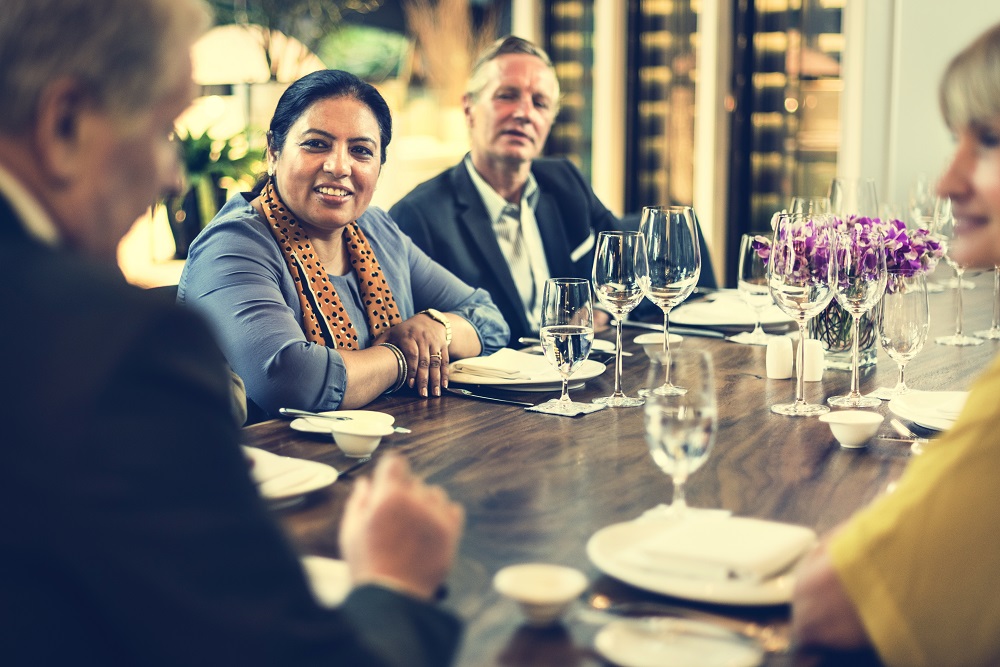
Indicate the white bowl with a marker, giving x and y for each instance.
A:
(652, 342)
(543, 591)
(853, 428)
(360, 437)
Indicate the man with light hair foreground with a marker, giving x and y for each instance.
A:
(132, 533)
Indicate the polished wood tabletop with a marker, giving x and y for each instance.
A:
(535, 487)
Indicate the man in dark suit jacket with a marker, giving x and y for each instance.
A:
(131, 532)
(503, 219)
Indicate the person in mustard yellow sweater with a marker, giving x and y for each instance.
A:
(912, 576)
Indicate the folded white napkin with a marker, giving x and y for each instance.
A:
(506, 364)
(719, 549)
(275, 475)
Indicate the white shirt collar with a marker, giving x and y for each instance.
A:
(495, 204)
(34, 219)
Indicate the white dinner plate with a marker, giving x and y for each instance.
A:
(725, 311)
(329, 579)
(284, 478)
(548, 381)
(306, 426)
(674, 642)
(935, 410)
(606, 545)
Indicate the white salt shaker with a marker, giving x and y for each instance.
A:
(812, 366)
(778, 359)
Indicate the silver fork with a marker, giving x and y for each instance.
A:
(917, 442)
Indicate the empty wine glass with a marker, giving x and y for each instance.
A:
(800, 271)
(853, 197)
(566, 334)
(810, 205)
(751, 282)
(945, 223)
(904, 318)
(680, 428)
(858, 285)
(993, 333)
(619, 268)
(673, 257)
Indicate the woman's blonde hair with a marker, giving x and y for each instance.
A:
(970, 88)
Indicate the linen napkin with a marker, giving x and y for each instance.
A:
(720, 549)
(506, 364)
(276, 475)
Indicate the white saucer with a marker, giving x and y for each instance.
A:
(674, 642)
(304, 425)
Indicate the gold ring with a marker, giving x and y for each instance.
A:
(436, 355)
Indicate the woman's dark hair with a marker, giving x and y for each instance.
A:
(321, 85)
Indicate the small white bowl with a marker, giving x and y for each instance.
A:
(853, 428)
(652, 342)
(357, 438)
(543, 591)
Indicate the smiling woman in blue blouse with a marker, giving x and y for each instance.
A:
(320, 302)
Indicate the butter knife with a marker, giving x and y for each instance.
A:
(685, 331)
(468, 394)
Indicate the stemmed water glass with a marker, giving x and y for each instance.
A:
(904, 318)
(993, 333)
(853, 197)
(800, 270)
(810, 205)
(673, 256)
(619, 268)
(680, 428)
(751, 282)
(945, 223)
(859, 283)
(566, 334)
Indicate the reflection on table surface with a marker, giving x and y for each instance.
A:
(536, 487)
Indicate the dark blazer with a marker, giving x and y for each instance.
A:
(446, 217)
(131, 533)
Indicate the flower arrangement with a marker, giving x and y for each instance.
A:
(907, 251)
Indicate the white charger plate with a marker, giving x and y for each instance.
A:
(283, 478)
(604, 547)
(674, 642)
(924, 408)
(726, 311)
(304, 425)
(549, 381)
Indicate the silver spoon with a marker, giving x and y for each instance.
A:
(292, 412)
(917, 446)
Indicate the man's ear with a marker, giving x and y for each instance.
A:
(467, 102)
(59, 128)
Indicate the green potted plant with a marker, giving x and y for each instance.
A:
(211, 168)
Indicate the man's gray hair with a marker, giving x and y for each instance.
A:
(480, 76)
(115, 48)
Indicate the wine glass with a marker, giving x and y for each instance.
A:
(673, 256)
(904, 318)
(751, 282)
(853, 197)
(619, 268)
(566, 334)
(945, 228)
(993, 333)
(680, 428)
(800, 273)
(858, 285)
(810, 205)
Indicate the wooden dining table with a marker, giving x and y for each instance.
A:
(536, 487)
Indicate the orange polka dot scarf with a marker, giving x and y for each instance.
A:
(324, 319)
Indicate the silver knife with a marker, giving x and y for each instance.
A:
(687, 331)
(469, 394)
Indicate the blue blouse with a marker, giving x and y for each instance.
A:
(236, 276)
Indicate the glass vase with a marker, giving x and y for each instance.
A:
(832, 327)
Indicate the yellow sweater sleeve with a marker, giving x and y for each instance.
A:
(921, 563)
